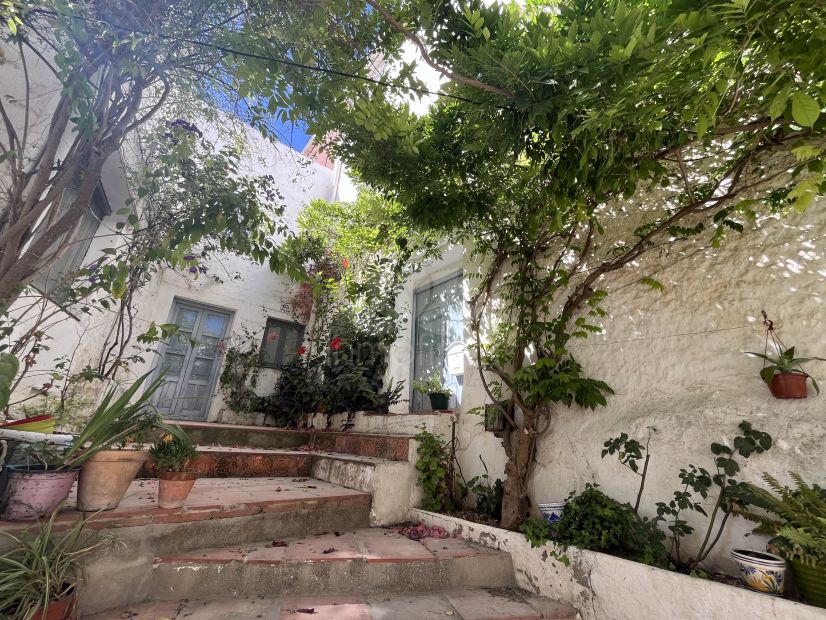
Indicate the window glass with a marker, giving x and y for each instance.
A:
(62, 270)
(438, 336)
(281, 342)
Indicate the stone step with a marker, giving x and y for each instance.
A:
(220, 511)
(390, 447)
(391, 484)
(471, 604)
(362, 561)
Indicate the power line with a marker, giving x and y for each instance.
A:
(282, 61)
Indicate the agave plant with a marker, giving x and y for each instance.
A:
(116, 420)
(796, 520)
(785, 363)
(42, 567)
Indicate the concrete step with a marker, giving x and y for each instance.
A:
(390, 447)
(391, 484)
(473, 604)
(363, 561)
(220, 511)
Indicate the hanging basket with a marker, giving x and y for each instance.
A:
(789, 385)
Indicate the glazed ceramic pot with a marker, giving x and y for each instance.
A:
(788, 385)
(811, 581)
(34, 491)
(105, 477)
(552, 511)
(174, 488)
(761, 571)
(64, 609)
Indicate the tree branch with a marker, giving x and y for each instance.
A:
(456, 77)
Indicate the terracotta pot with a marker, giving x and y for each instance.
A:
(788, 385)
(35, 491)
(105, 478)
(174, 488)
(64, 609)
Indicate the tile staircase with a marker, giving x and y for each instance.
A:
(303, 544)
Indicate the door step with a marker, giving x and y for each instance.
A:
(363, 561)
(468, 604)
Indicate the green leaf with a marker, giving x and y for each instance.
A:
(654, 284)
(805, 109)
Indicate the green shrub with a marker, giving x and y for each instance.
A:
(594, 521)
(433, 465)
(537, 531)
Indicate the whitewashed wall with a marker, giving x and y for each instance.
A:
(255, 295)
(675, 359)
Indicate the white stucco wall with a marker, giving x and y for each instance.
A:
(252, 297)
(675, 359)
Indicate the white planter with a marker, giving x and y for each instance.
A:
(552, 511)
(761, 571)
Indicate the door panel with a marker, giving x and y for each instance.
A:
(192, 370)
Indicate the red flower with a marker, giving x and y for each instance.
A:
(302, 350)
(345, 263)
(335, 343)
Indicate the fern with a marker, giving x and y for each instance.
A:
(799, 530)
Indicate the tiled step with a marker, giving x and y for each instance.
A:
(498, 604)
(364, 561)
(222, 462)
(390, 447)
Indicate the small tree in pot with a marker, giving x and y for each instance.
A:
(435, 388)
(172, 454)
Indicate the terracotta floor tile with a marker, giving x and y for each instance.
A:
(379, 545)
(411, 607)
(266, 554)
(491, 605)
(445, 548)
(325, 608)
(144, 611)
(337, 548)
(240, 609)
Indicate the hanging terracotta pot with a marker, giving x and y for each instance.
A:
(788, 385)
(174, 488)
(105, 478)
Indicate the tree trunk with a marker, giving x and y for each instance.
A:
(515, 503)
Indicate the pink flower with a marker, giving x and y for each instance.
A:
(335, 343)
(345, 263)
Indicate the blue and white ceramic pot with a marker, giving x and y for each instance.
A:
(552, 511)
(761, 571)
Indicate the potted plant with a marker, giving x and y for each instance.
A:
(38, 485)
(435, 388)
(109, 449)
(784, 375)
(40, 575)
(172, 454)
(797, 524)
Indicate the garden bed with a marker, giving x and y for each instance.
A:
(604, 586)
